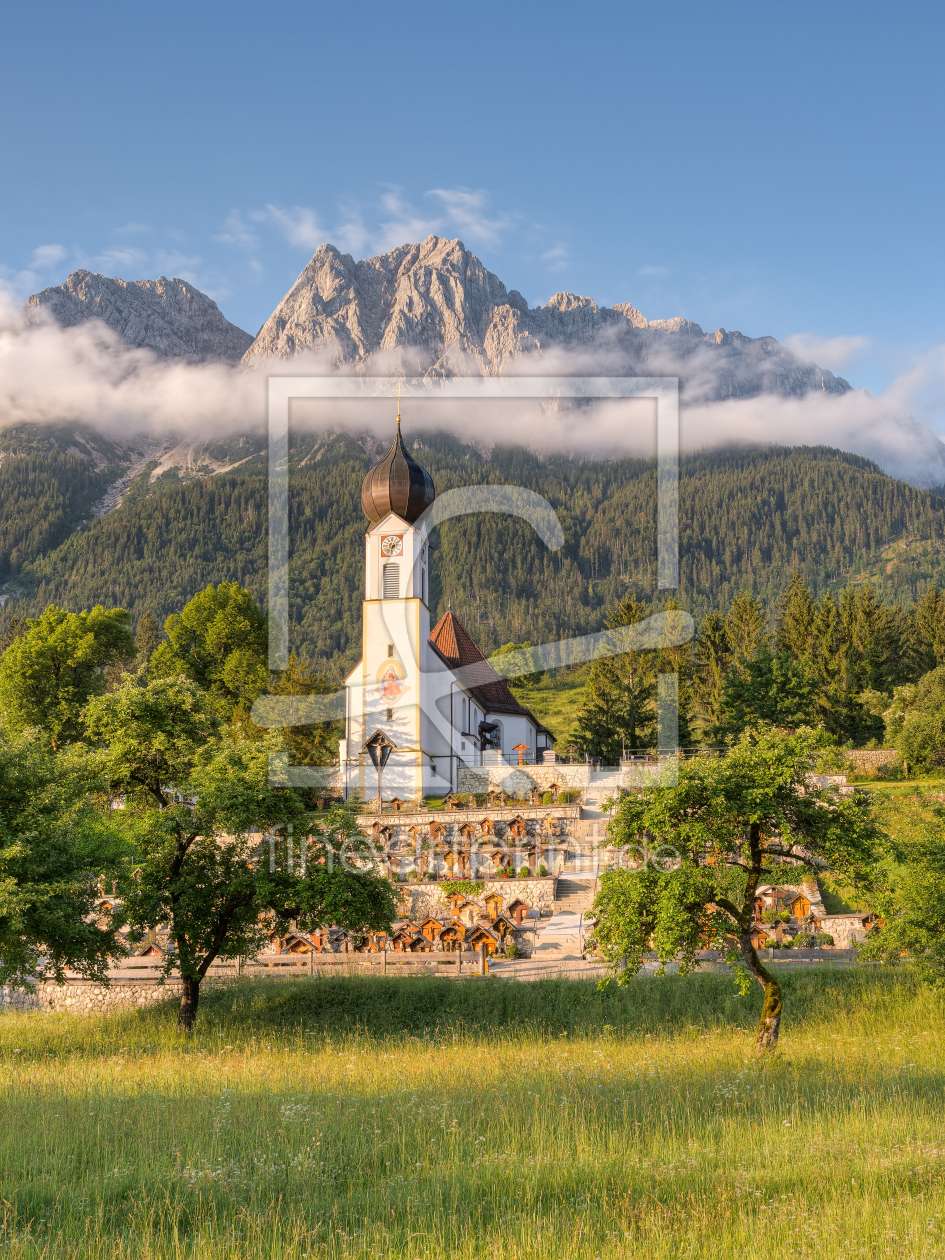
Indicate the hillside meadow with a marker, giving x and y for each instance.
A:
(422, 1118)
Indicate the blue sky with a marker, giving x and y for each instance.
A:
(771, 168)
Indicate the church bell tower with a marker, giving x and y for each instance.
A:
(386, 686)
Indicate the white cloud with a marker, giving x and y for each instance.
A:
(557, 257)
(407, 225)
(832, 352)
(121, 259)
(653, 271)
(466, 209)
(299, 225)
(45, 256)
(86, 374)
(394, 221)
(236, 231)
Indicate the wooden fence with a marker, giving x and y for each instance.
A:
(149, 970)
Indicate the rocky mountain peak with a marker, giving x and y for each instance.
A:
(432, 307)
(170, 317)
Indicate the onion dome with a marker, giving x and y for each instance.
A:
(397, 484)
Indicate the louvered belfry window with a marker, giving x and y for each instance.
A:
(391, 579)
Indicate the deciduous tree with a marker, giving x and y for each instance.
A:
(911, 899)
(201, 811)
(48, 673)
(54, 842)
(701, 846)
(219, 640)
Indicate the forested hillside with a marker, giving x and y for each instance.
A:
(748, 520)
(50, 479)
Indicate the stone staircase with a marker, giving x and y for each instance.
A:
(575, 895)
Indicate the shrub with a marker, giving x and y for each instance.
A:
(542, 870)
(547, 798)
(524, 873)
(776, 916)
(511, 950)
(468, 887)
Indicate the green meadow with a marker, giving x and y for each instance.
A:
(413, 1119)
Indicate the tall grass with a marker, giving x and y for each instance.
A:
(423, 1118)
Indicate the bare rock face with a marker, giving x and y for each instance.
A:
(433, 308)
(170, 317)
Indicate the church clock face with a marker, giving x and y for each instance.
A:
(392, 544)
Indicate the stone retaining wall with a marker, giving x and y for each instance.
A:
(866, 759)
(517, 779)
(429, 900)
(86, 997)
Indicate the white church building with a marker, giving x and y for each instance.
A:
(430, 692)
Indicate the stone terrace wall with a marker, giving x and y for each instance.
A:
(429, 900)
(866, 759)
(566, 814)
(86, 997)
(517, 779)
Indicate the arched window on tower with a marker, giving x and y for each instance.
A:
(391, 581)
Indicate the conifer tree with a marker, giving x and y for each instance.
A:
(797, 609)
(713, 656)
(147, 637)
(927, 626)
(677, 658)
(315, 745)
(744, 626)
(618, 711)
(770, 689)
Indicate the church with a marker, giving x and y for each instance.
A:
(413, 685)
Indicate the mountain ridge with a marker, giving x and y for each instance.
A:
(170, 317)
(432, 308)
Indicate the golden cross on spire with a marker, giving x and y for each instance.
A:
(401, 393)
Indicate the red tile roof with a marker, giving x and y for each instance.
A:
(452, 643)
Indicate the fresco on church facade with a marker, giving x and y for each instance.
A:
(392, 686)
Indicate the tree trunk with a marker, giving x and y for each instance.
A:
(190, 996)
(770, 1023)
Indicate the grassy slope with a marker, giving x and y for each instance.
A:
(426, 1119)
(556, 701)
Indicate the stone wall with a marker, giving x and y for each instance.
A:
(518, 779)
(86, 997)
(864, 760)
(429, 900)
(846, 929)
(451, 819)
